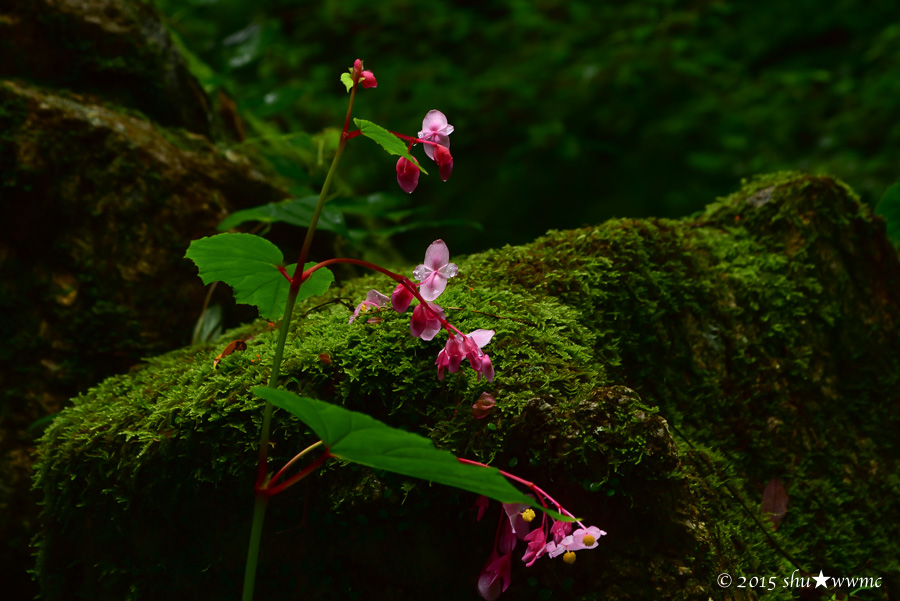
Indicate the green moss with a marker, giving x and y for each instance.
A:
(762, 331)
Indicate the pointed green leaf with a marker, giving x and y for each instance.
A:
(249, 264)
(297, 211)
(347, 80)
(356, 437)
(386, 140)
(317, 284)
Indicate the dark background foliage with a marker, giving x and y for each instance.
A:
(566, 112)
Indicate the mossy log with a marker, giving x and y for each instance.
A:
(654, 375)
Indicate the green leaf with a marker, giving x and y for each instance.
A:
(356, 437)
(386, 140)
(249, 264)
(298, 212)
(317, 284)
(889, 208)
(347, 80)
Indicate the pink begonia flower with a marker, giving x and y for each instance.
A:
(495, 576)
(424, 324)
(401, 297)
(560, 530)
(407, 175)
(444, 160)
(483, 406)
(537, 546)
(468, 347)
(575, 541)
(367, 79)
(435, 271)
(515, 528)
(435, 129)
(374, 300)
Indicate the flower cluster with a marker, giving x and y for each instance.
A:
(428, 318)
(435, 136)
(366, 78)
(553, 538)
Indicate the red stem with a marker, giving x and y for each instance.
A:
(274, 490)
(531, 485)
(401, 279)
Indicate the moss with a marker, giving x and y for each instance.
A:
(652, 374)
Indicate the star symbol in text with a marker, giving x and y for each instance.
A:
(821, 580)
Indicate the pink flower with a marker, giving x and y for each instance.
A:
(444, 160)
(466, 347)
(400, 298)
(407, 175)
(483, 405)
(366, 78)
(435, 271)
(560, 530)
(374, 300)
(583, 538)
(515, 528)
(435, 129)
(495, 573)
(537, 546)
(425, 323)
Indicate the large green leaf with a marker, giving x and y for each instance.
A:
(297, 211)
(356, 437)
(386, 140)
(889, 208)
(249, 264)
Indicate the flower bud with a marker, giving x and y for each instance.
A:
(368, 80)
(407, 175)
(400, 298)
(444, 160)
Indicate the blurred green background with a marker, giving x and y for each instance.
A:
(566, 112)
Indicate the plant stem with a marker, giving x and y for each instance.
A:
(262, 483)
(259, 513)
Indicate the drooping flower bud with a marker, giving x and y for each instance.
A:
(367, 78)
(407, 175)
(400, 298)
(444, 160)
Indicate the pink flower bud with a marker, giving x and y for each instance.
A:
(368, 80)
(483, 406)
(424, 323)
(407, 175)
(400, 298)
(444, 160)
(357, 68)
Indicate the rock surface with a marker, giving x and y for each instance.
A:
(653, 375)
(106, 175)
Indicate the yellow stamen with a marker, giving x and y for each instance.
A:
(528, 515)
(569, 557)
(588, 540)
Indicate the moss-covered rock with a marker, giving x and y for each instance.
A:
(653, 375)
(98, 205)
(115, 49)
